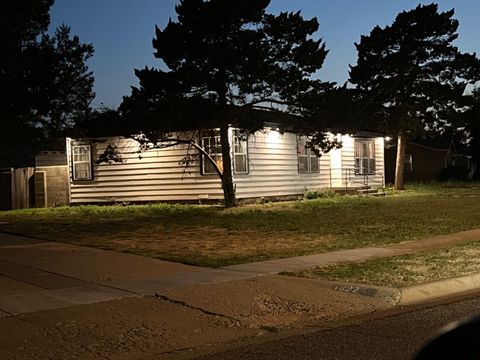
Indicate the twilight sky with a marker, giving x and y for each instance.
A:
(122, 32)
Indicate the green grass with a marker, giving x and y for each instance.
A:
(402, 271)
(214, 236)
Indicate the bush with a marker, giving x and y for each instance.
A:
(453, 173)
(316, 194)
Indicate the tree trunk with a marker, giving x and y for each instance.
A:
(400, 163)
(227, 179)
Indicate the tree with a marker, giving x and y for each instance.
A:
(98, 123)
(45, 85)
(228, 62)
(21, 23)
(412, 76)
(470, 118)
(70, 88)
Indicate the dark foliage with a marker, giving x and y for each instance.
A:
(411, 75)
(229, 64)
(100, 122)
(45, 85)
(471, 130)
(454, 173)
(70, 89)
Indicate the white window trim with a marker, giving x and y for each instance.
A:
(236, 138)
(213, 155)
(76, 162)
(309, 155)
(204, 160)
(362, 170)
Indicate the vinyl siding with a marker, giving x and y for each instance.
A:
(273, 168)
(157, 175)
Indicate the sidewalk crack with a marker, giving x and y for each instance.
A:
(203, 311)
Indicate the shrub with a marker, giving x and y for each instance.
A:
(453, 173)
(316, 194)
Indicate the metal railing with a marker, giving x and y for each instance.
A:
(353, 178)
(367, 178)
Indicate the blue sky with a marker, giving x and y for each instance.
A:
(122, 32)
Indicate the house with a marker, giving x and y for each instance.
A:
(429, 160)
(38, 180)
(267, 164)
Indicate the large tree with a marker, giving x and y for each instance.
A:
(412, 76)
(70, 83)
(470, 119)
(226, 61)
(45, 85)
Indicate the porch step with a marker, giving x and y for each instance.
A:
(370, 192)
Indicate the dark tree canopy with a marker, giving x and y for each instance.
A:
(471, 128)
(228, 63)
(21, 23)
(412, 75)
(70, 88)
(45, 85)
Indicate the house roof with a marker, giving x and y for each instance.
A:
(440, 143)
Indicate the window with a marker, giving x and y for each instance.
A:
(364, 157)
(240, 152)
(82, 162)
(307, 159)
(211, 144)
(408, 165)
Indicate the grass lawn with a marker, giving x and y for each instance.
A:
(214, 236)
(402, 271)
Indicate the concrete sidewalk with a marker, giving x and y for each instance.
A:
(37, 275)
(356, 255)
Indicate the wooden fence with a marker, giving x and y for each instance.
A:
(16, 188)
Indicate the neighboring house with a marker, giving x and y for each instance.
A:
(34, 180)
(267, 164)
(427, 160)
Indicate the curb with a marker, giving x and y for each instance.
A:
(412, 294)
(390, 296)
(437, 289)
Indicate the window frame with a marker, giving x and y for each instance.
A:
(359, 160)
(239, 138)
(309, 156)
(75, 162)
(215, 135)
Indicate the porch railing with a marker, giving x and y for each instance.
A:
(352, 178)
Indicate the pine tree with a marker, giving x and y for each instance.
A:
(70, 87)
(226, 61)
(45, 85)
(412, 76)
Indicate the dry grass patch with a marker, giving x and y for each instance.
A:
(207, 246)
(214, 236)
(405, 270)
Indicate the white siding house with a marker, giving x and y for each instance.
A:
(266, 164)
